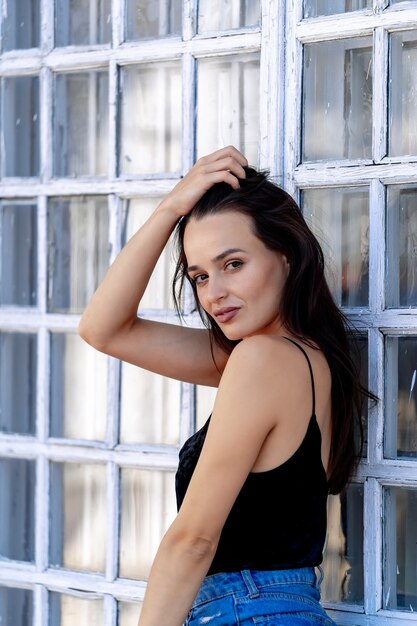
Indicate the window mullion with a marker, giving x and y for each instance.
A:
(293, 95)
(113, 148)
(189, 90)
(272, 68)
(373, 541)
(41, 514)
(377, 247)
(47, 9)
(110, 611)
(376, 384)
(113, 516)
(380, 94)
(40, 598)
(189, 20)
(46, 116)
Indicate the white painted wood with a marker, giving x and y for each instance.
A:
(357, 23)
(376, 247)
(41, 514)
(40, 597)
(118, 8)
(113, 155)
(372, 541)
(271, 115)
(112, 548)
(380, 94)
(339, 173)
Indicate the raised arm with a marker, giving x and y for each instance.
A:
(110, 323)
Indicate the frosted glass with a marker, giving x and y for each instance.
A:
(78, 516)
(343, 555)
(17, 506)
(78, 251)
(403, 93)
(228, 104)
(82, 22)
(400, 549)
(20, 126)
(81, 112)
(67, 610)
(215, 15)
(315, 8)
(18, 372)
(21, 24)
(339, 217)
(401, 255)
(149, 407)
(151, 118)
(401, 397)
(337, 100)
(129, 613)
(16, 606)
(78, 393)
(148, 508)
(152, 18)
(158, 293)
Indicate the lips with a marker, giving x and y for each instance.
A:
(226, 314)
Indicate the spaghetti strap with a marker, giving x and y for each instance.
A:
(311, 372)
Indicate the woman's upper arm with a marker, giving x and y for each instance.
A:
(244, 413)
(170, 350)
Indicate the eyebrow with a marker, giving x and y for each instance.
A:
(217, 258)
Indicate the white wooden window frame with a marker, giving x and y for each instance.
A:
(280, 42)
(376, 321)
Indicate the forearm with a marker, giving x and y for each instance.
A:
(176, 576)
(114, 305)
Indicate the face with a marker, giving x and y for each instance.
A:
(239, 281)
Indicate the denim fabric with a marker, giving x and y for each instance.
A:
(264, 598)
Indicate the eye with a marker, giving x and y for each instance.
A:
(234, 264)
(199, 279)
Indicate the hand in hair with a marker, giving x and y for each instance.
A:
(225, 165)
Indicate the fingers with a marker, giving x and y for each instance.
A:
(228, 163)
(228, 151)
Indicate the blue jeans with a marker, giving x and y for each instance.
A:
(264, 598)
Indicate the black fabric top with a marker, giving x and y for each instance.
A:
(278, 520)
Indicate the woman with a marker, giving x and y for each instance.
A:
(252, 518)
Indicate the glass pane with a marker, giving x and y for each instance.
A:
(149, 407)
(78, 250)
(400, 547)
(228, 104)
(225, 15)
(205, 397)
(78, 394)
(78, 516)
(148, 508)
(314, 8)
(21, 24)
(129, 613)
(158, 293)
(19, 250)
(343, 555)
(18, 371)
(359, 353)
(401, 229)
(152, 18)
(339, 217)
(402, 93)
(73, 611)
(82, 22)
(337, 100)
(81, 115)
(16, 606)
(20, 126)
(401, 394)
(151, 118)
(17, 506)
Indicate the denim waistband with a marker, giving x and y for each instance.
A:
(250, 581)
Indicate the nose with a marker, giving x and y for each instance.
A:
(216, 289)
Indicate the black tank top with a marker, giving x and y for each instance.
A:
(278, 520)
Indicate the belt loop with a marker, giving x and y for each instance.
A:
(320, 580)
(250, 583)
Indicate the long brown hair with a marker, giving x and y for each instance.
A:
(308, 310)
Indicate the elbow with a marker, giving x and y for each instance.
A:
(194, 547)
(87, 332)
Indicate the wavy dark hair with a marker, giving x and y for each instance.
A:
(307, 311)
